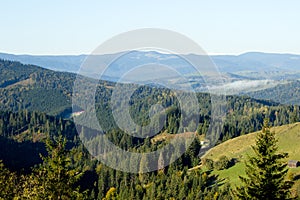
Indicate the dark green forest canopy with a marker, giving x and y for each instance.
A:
(27, 87)
(36, 89)
(34, 100)
(23, 135)
(288, 93)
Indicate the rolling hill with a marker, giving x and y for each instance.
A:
(37, 89)
(251, 61)
(253, 73)
(287, 93)
(238, 148)
(28, 90)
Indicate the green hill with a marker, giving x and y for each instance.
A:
(238, 148)
(36, 89)
(287, 93)
(29, 92)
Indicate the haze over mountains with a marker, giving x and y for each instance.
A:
(252, 61)
(247, 73)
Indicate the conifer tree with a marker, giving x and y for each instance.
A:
(265, 171)
(54, 179)
(8, 182)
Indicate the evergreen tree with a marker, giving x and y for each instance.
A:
(265, 170)
(8, 183)
(54, 179)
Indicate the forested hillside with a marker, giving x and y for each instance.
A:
(288, 93)
(24, 133)
(37, 89)
(36, 139)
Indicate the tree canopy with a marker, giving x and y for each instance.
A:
(266, 170)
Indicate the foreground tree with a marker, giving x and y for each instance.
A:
(8, 182)
(55, 178)
(265, 170)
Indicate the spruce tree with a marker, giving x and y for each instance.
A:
(54, 178)
(265, 171)
(8, 183)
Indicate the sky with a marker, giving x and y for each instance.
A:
(65, 27)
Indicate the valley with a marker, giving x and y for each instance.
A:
(149, 100)
(37, 107)
(253, 73)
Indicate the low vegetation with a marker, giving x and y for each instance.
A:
(241, 147)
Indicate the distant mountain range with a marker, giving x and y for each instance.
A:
(250, 73)
(252, 61)
(255, 61)
(57, 63)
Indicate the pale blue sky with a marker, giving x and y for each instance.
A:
(219, 27)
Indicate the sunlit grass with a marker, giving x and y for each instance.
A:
(288, 141)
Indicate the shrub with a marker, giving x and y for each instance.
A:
(208, 163)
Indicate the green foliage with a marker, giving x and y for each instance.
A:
(208, 163)
(111, 194)
(67, 165)
(287, 93)
(8, 183)
(265, 171)
(12, 72)
(36, 89)
(222, 163)
(54, 179)
(22, 137)
(60, 165)
(172, 184)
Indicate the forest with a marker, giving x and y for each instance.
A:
(43, 157)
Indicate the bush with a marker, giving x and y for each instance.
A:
(222, 163)
(208, 163)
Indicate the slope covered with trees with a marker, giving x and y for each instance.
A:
(288, 93)
(65, 161)
(37, 89)
(34, 100)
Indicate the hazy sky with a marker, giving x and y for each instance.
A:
(219, 27)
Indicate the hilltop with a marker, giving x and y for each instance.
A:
(254, 74)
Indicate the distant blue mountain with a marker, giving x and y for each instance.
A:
(256, 74)
(57, 63)
(253, 61)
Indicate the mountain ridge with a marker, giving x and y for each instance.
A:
(71, 63)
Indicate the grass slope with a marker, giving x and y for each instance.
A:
(289, 142)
